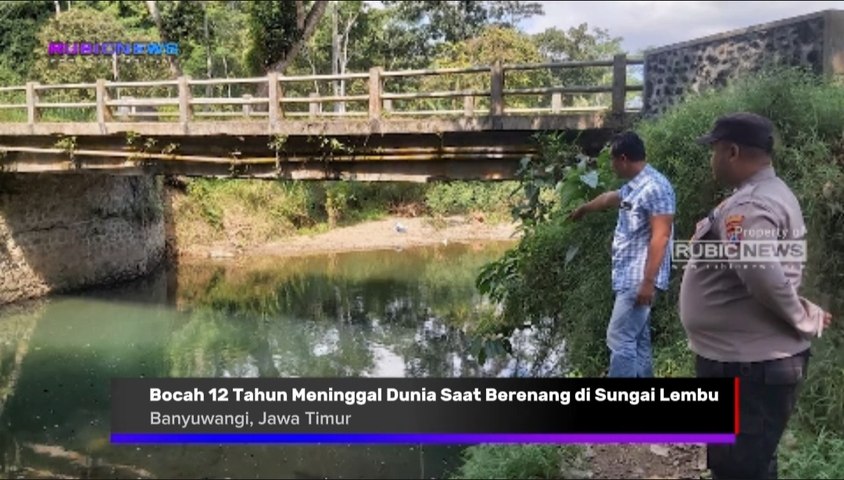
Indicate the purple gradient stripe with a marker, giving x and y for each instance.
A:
(417, 438)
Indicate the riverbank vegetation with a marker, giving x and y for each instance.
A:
(248, 213)
(561, 269)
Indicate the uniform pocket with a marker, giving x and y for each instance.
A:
(789, 371)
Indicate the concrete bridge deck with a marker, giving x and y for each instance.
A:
(280, 130)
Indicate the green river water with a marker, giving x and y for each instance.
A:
(384, 313)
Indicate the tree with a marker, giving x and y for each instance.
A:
(215, 48)
(342, 23)
(493, 44)
(342, 44)
(279, 30)
(228, 25)
(19, 26)
(178, 22)
(84, 22)
(577, 44)
(417, 29)
(152, 6)
(133, 15)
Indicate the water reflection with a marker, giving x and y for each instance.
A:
(360, 314)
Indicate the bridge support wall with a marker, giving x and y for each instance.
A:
(814, 41)
(64, 232)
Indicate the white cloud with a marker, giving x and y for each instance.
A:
(653, 24)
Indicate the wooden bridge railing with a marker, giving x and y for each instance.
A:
(374, 102)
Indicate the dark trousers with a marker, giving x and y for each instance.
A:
(767, 396)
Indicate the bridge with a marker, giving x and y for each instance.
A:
(411, 125)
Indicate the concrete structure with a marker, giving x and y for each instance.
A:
(814, 41)
(284, 133)
(60, 233)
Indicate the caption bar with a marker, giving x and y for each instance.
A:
(432, 410)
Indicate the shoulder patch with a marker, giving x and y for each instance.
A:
(732, 227)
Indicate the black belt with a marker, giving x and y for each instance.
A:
(781, 371)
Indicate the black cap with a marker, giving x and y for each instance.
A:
(748, 129)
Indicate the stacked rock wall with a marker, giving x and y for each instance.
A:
(815, 42)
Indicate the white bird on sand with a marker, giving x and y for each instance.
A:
(400, 228)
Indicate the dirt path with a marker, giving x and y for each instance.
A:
(647, 461)
(390, 233)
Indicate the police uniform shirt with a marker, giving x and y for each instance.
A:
(748, 311)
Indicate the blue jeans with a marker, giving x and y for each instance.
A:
(629, 337)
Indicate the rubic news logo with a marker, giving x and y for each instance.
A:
(748, 252)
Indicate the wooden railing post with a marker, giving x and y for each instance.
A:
(619, 84)
(388, 106)
(273, 108)
(185, 113)
(31, 103)
(103, 112)
(496, 94)
(376, 85)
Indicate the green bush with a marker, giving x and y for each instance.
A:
(290, 204)
(454, 198)
(349, 201)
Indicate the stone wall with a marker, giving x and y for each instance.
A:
(814, 41)
(64, 232)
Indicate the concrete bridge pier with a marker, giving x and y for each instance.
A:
(66, 232)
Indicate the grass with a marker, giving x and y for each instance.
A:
(812, 454)
(519, 461)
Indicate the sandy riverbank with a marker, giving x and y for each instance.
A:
(374, 235)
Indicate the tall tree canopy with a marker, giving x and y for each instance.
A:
(576, 44)
(87, 23)
(417, 30)
(238, 38)
(20, 23)
(278, 31)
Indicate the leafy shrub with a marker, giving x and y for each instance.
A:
(453, 198)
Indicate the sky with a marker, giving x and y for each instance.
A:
(653, 24)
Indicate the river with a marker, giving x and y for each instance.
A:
(378, 314)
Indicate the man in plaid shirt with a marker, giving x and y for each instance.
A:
(641, 259)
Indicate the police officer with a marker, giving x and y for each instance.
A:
(744, 318)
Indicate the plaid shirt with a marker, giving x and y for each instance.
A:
(648, 193)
